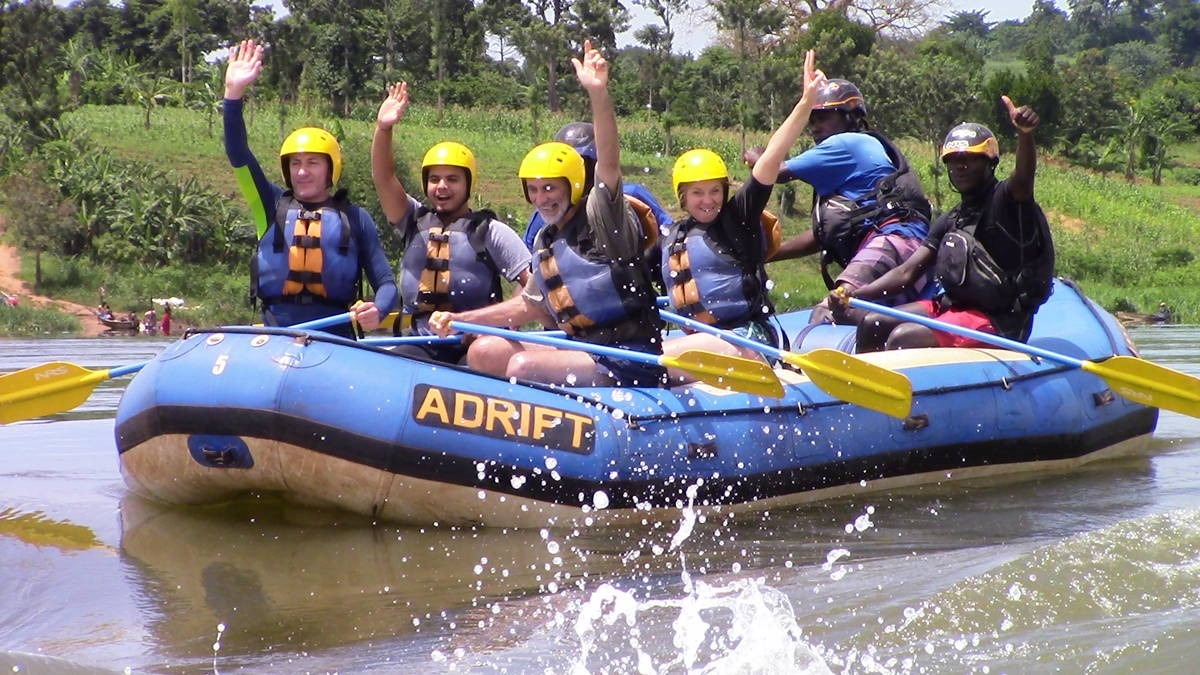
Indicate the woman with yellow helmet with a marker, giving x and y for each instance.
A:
(588, 276)
(454, 258)
(314, 245)
(712, 260)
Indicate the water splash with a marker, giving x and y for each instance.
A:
(742, 626)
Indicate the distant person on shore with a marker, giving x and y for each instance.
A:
(1164, 314)
(166, 319)
(150, 322)
(314, 245)
(454, 258)
(992, 255)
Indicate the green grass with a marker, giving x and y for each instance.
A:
(26, 321)
(1130, 246)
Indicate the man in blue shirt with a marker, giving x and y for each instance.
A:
(869, 212)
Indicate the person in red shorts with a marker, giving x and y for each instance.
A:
(992, 254)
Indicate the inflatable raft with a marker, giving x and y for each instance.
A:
(329, 422)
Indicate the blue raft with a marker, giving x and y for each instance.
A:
(328, 422)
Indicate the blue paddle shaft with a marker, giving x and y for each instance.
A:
(966, 332)
(562, 343)
(729, 336)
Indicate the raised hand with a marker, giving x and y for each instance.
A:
(244, 67)
(1023, 118)
(814, 78)
(592, 70)
(393, 107)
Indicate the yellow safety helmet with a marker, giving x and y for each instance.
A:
(449, 153)
(554, 160)
(311, 139)
(696, 165)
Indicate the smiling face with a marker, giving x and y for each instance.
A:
(824, 123)
(703, 199)
(968, 171)
(551, 197)
(309, 173)
(448, 189)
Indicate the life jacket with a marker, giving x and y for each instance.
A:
(593, 299)
(649, 221)
(447, 267)
(317, 265)
(970, 277)
(707, 282)
(840, 224)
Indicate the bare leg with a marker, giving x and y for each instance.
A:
(703, 342)
(874, 331)
(911, 336)
(556, 366)
(490, 354)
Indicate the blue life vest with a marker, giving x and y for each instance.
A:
(595, 300)
(447, 267)
(308, 256)
(706, 283)
(897, 205)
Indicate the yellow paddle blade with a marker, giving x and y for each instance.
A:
(856, 381)
(46, 389)
(728, 372)
(1150, 384)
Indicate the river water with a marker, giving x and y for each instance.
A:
(1095, 570)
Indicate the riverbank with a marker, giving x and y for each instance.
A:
(12, 284)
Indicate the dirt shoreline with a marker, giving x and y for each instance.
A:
(10, 266)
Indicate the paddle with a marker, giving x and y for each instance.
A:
(841, 375)
(727, 372)
(1136, 379)
(55, 387)
(431, 339)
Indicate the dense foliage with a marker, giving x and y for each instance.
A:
(1117, 84)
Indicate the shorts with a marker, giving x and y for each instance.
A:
(965, 318)
(759, 330)
(878, 255)
(627, 373)
(442, 353)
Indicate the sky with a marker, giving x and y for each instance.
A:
(693, 34)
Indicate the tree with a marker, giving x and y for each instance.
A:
(1130, 133)
(749, 22)
(659, 42)
(1178, 31)
(30, 33)
(47, 219)
(923, 95)
(184, 16)
(903, 18)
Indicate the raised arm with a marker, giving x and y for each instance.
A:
(393, 198)
(1020, 183)
(766, 169)
(592, 72)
